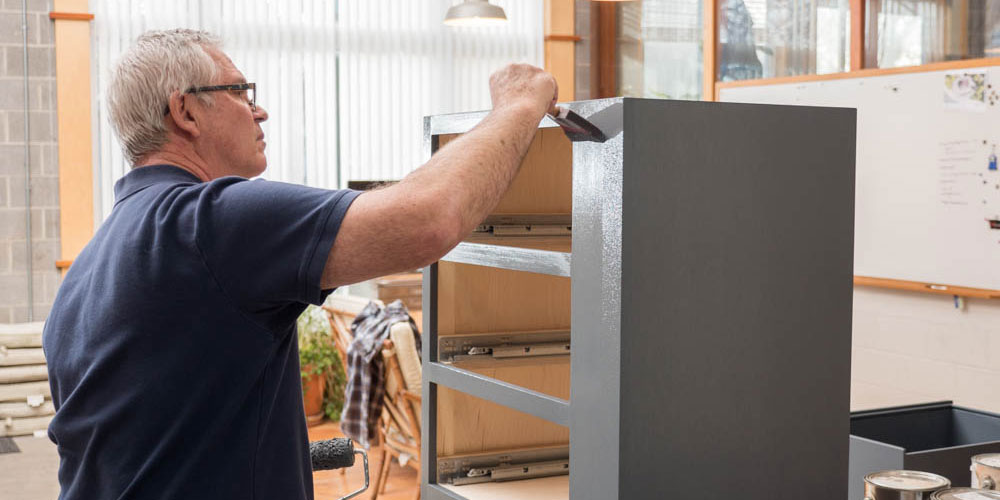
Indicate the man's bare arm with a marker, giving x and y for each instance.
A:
(416, 221)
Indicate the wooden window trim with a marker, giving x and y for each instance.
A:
(71, 16)
(604, 25)
(857, 34)
(73, 99)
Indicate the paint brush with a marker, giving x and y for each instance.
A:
(576, 127)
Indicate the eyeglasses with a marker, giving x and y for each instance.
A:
(247, 91)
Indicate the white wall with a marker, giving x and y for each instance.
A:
(913, 347)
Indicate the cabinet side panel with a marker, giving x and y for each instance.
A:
(544, 183)
(478, 299)
(736, 300)
(867, 456)
(596, 269)
(467, 424)
(544, 374)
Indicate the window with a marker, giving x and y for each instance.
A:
(912, 32)
(657, 49)
(773, 38)
(660, 49)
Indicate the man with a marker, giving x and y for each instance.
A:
(171, 346)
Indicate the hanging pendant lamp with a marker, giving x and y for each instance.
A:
(475, 13)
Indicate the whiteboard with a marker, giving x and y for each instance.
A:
(926, 189)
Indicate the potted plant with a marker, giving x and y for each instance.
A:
(322, 375)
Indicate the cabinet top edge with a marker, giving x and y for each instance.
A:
(606, 113)
(457, 123)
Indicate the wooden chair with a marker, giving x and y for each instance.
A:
(399, 425)
(341, 311)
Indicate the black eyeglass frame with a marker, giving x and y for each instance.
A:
(233, 86)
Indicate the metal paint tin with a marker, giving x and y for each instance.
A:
(965, 494)
(985, 471)
(903, 485)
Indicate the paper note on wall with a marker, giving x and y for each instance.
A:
(957, 172)
(965, 90)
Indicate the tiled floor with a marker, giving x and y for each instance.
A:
(31, 474)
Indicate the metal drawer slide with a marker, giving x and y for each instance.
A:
(505, 466)
(455, 348)
(526, 225)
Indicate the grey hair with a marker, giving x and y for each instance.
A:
(157, 64)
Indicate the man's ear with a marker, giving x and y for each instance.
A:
(181, 113)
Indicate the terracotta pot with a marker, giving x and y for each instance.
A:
(312, 398)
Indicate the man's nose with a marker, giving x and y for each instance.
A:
(260, 114)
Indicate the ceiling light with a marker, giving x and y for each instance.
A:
(475, 13)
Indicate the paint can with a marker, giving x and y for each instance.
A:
(903, 485)
(985, 471)
(965, 494)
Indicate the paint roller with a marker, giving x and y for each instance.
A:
(336, 453)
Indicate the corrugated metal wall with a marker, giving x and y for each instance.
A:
(346, 82)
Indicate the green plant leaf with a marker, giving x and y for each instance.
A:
(317, 355)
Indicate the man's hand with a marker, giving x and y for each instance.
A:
(524, 84)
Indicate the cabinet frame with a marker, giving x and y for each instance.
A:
(788, 373)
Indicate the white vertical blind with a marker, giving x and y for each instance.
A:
(398, 63)
(346, 82)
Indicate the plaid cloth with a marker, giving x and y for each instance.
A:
(366, 370)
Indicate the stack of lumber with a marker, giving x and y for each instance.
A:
(25, 399)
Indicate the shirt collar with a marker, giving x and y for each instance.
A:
(142, 177)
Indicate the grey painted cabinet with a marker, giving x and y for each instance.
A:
(668, 312)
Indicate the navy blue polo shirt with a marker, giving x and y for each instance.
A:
(171, 347)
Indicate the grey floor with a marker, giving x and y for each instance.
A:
(30, 474)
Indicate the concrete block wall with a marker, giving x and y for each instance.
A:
(44, 202)
(913, 347)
